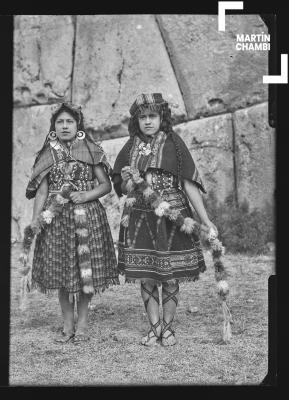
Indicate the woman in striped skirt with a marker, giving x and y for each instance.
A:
(74, 251)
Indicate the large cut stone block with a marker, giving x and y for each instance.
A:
(213, 76)
(113, 205)
(210, 142)
(112, 147)
(255, 155)
(30, 126)
(43, 58)
(118, 57)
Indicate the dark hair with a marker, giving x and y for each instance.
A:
(73, 111)
(76, 113)
(165, 126)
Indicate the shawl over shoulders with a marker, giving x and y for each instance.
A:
(167, 160)
(82, 150)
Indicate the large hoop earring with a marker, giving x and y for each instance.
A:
(80, 135)
(52, 135)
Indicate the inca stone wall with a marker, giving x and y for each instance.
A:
(103, 62)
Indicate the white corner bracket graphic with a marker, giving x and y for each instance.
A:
(226, 5)
(283, 78)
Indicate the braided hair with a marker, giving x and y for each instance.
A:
(166, 126)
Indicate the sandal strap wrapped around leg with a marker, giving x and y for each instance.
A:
(152, 334)
(154, 327)
(167, 327)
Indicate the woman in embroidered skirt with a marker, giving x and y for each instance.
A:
(156, 171)
(74, 250)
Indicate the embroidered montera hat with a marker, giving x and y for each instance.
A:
(153, 101)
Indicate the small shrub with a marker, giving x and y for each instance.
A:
(240, 229)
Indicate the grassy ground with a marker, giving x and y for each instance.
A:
(117, 322)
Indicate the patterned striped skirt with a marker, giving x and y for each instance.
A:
(55, 260)
(153, 247)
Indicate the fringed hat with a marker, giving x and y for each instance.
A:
(153, 101)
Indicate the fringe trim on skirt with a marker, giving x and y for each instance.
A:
(159, 283)
(74, 296)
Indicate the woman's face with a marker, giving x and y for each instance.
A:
(65, 126)
(149, 122)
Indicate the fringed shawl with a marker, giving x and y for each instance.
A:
(81, 150)
(164, 156)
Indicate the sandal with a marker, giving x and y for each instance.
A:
(152, 337)
(64, 338)
(170, 339)
(80, 337)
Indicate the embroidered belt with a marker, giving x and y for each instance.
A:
(78, 185)
(162, 181)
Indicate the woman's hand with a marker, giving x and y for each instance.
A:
(208, 225)
(126, 173)
(196, 200)
(78, 197)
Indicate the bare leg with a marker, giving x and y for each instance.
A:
(67, 309)
(150, 296)
(170, 295)
(82, 317)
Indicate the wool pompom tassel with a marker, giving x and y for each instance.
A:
(188, 225)
(136, 176)
(227, 333)
(25, 271)
(29, 234)
(162, 208)
(79, 215)
(82, 232)
(82, 249)
(129, 185)
(217, 248)
(223, 288)
(88, 289)
(159, 211)
(173, 215)
(79, 210)
(129, 202)
(86, 273)
(148, 192)
(87, 281)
